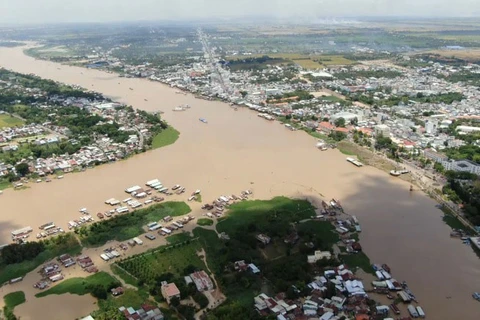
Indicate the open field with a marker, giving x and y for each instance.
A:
(129, 225)
(124, 275)
(257, 211)
(132, 298)
(467, 54)
(165, 138)
(7, 120)
(80, 286)
(49, 52)
(205, 222)
(304, 60)
(359, 260)
(55, 247)
(146, 267)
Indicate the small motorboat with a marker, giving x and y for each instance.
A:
(203, 120)
(395, 173)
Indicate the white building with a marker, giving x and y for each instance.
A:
(462, 165)
(383, 130)
(431, 126)
(348, 116)
(467, 129)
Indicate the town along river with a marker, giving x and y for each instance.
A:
(237, 150)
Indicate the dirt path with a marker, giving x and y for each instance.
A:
(215, 297)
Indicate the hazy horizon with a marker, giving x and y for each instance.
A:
(91, 11)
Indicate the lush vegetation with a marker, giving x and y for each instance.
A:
(268, 216)
(359, 260)
(12, 300)
(465, 187)
(16, 253)
(205, 222)
(253, 63)
(165, 138)
(98, 285)
(297, 94)
(108, 308)
(281, 264)
(51, 248)
(124, 227)
(168, 259)
(125, 276)
(178, 238)
(468, 152)
(394, 100)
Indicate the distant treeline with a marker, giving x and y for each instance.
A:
(256, 63)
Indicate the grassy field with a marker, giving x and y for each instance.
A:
(165, 138)
(304, 60)
(68, 244)
(79, 286)
(246, 212)
(359, 260)
(132, 298)
(7, 120)
(178, 238)
(4, 184)
(205, 222)
(209, 241)
(130, 225)
(122, 274)
(49, 52)
(12, 300)
(148, 266)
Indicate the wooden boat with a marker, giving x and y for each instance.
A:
(100, 215)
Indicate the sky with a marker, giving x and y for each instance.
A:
(60, 11)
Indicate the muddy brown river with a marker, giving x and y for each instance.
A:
(237, 150)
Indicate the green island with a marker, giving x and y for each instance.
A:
(125, 227)
(12, 300)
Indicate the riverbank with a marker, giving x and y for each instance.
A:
(238, 150)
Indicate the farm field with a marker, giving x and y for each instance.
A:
(173, 259)
(7, 120)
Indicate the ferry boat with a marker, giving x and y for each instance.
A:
(203, 120)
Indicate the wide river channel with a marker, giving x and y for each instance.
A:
(237, 150)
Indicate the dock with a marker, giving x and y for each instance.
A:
(355, 162)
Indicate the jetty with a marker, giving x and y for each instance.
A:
(355, 162)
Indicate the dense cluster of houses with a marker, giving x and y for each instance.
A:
(102, 150)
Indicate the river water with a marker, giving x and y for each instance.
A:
(237, 150)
